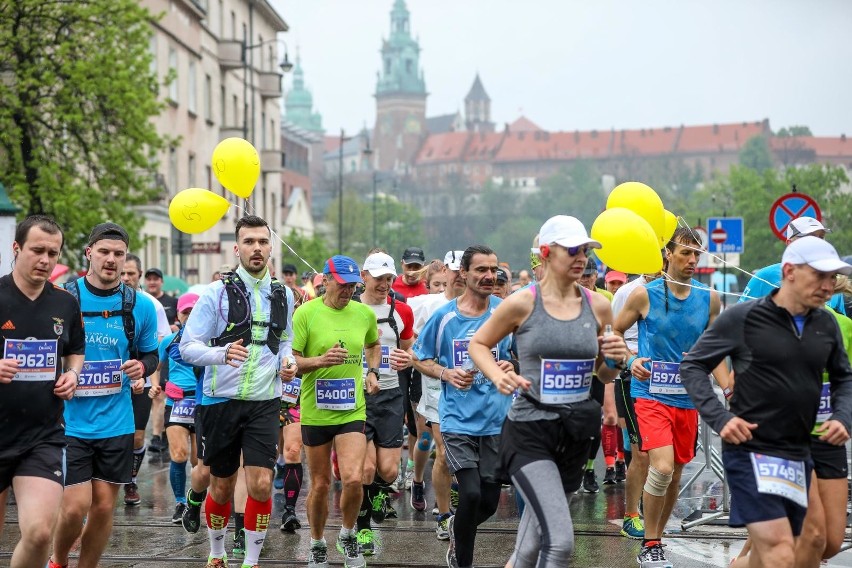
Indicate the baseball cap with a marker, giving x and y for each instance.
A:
(379, 264)
(591, 266)
(306, 275)
(413, 255)
(317, 280)
(566, 231)
(108, 231)
(187, 301)
(343, 269)
(816, 253)
(453, 259)
(502, 276)
(615, 276)
(155, 272)
(291, 268)
(803, 226)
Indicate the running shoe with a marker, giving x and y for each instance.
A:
(318, 555)
(590, 483)
(239, 543)
(289, 520)
(217, 562)
(620, 472)
(435, 509)
(441, 529)
(451, 549)
(366, 540)
(379, 507)
(180, 509)
(609, 476)
(131, 494)
(390, 512)
(397, 484)
(633, 527)
(409, 478)
(52, 564)
(418, 497)
(278, 482)
(335, 470)
(348, 547)
(191, 519)
(653, 557)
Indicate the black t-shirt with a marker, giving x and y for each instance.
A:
(170, 306)
(778, 378)
(29, 411)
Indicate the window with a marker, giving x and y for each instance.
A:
(236, 109)
(173, 68)
(222, 99)
(192, 87)
(263, 131)
(260, 42)
(208, 98)
(272, 144)
(221, 19)
(191, 166)
(271, 58)
(173, 170)
(208, 175)
(152, 47)
(233, 25)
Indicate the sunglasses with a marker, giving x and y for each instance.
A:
(574, 251)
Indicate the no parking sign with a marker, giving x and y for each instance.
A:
(789, 207)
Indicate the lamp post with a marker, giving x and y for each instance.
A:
(343, 139)
(368, 152)
(285, 67)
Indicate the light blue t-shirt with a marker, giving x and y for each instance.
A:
(670, 329)
(481, 410)
(768, 278)
(180, 374)
(101, 407)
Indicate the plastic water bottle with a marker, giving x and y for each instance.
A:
(469, 367)
(611, 363)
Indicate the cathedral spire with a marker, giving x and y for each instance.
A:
(299, 102)
(401, 71)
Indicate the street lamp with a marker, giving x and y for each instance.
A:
(368, 152)
(343, 139)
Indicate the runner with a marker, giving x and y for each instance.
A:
(330, 334)
(240, 330)
(411, 284)
(672, 313)
(43, 347)
(779, 346)
(614, 280)
(471, 410)
(385, 407)
(121, 348)
(559, 331)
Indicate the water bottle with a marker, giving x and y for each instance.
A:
(611, 363)
(469, 367)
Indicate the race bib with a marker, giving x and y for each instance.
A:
(100, 378)
(777, 476)
(384, 365)
(36, 358)
(665, 378)
(183, 411)
(461, 356)
(824, 412)
(290, 391)
(335, 394)
(564, 380)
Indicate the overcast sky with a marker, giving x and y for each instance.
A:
(591, 64)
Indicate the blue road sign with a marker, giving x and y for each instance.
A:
(789, 207)
(732, 228)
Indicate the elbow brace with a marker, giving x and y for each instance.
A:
(657, 483)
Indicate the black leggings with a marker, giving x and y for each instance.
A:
(478, 500)
(409, 383)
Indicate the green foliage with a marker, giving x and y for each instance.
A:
(794, 131)
(313, 249)
(756, 154)
(76, 99)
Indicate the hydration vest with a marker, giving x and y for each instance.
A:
(390, 320)
(240, 318)
(128, 302)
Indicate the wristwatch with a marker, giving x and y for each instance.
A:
(373, 370)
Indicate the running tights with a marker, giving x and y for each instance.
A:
(478, 500)
(546, 531)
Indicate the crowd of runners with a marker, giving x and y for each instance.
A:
(365, 372)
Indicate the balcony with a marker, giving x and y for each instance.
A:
(230, 132)
(269, 84)
(230, 54)
(271, 160)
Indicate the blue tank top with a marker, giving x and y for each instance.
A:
(670, 329)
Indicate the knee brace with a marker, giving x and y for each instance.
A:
(657, 483)
(424, 442)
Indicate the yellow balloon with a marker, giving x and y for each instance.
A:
(670, 226)
(196, 210)
(236, 165)
(643, 201)
(628, 243)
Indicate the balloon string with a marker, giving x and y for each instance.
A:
(283, 242)
(668, 278)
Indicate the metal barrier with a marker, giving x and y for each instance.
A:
(713, 462)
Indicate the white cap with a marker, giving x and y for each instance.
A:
(803, 226)
(453, 259)
(816, 253)
(379, 264)
(566, 231)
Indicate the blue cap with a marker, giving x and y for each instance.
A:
(344, 269)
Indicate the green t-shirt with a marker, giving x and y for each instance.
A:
(316, 328)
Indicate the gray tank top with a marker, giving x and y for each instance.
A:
(566, 349)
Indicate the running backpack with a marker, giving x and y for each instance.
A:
(128, 302)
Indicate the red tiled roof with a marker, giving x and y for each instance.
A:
(330, 144)
(823, 147)
(523, 124)
(646, 141)
(718, 137)
(481, 146)
(534, 146)
(445, 147)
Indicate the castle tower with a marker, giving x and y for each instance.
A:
(477, 108)
(400, 96)
(298, 104)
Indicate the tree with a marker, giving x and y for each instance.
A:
(794, 131)
(76, 98)
(756, 154)
(314, 250)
